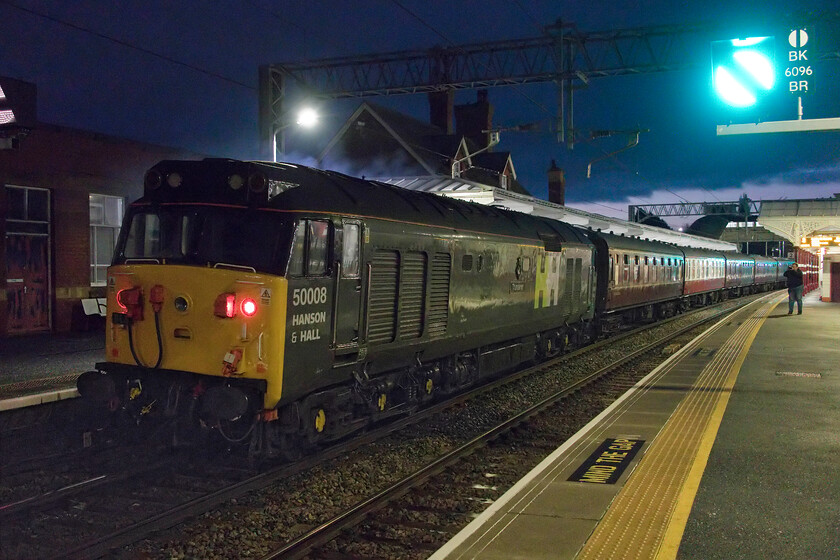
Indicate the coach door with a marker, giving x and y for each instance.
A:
(27, 260)
(348, 292)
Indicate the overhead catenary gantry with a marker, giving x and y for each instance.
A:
(563, 55)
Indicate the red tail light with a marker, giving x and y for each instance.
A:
(225, 305)
(248, 307)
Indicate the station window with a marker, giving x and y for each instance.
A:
(106, 214)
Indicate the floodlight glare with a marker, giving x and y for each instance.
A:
(743, 72)
(730, 90)
(757, 65)
(307, 117)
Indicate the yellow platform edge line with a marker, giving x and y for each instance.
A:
(685, 500)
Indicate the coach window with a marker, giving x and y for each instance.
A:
(351, 250)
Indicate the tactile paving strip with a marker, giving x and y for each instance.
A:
(646, 504)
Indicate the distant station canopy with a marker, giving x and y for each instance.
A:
(17, 111)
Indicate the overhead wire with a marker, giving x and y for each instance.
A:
(457, 48)
(636, 173)
(128, 45)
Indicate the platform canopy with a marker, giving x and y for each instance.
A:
(485, 194)
(795, 219)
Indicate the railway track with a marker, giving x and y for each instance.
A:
(417, 515)
(98, 517)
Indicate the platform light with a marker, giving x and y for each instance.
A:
(7, 116)
(307, 117)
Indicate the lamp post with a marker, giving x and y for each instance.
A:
(307, 117)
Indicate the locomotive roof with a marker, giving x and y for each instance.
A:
(635, 244)
(305, 189)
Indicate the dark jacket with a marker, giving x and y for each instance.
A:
(794, 278)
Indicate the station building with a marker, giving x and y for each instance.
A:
(61, 206)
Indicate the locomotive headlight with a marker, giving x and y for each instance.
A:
(153, 180)
(235, 182)
(257, 182)
(174, 179)
(181, 304)
(248, 307)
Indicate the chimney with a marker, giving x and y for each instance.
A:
(472, 119)
(441, 104)
(556, 185)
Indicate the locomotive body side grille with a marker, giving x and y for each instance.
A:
(412, 294)
(439, 295)
(384, 273)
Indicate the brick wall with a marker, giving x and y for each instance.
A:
(73, 164)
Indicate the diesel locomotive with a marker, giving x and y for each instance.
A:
(278, 306)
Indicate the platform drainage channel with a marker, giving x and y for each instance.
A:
(799, 374)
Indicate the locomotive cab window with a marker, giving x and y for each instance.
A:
(310, 248)
(351, 250)
(201, 236)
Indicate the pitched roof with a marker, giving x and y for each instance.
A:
(375, 138)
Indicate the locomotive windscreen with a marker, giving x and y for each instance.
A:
(205, 235)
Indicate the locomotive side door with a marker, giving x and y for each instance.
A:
(348, 291)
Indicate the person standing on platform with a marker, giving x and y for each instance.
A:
(795, 287)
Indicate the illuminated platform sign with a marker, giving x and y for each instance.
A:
(823, 240)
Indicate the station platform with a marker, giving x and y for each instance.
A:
(728, 450)
(43, 368)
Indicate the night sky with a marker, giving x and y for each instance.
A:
(184, 74)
